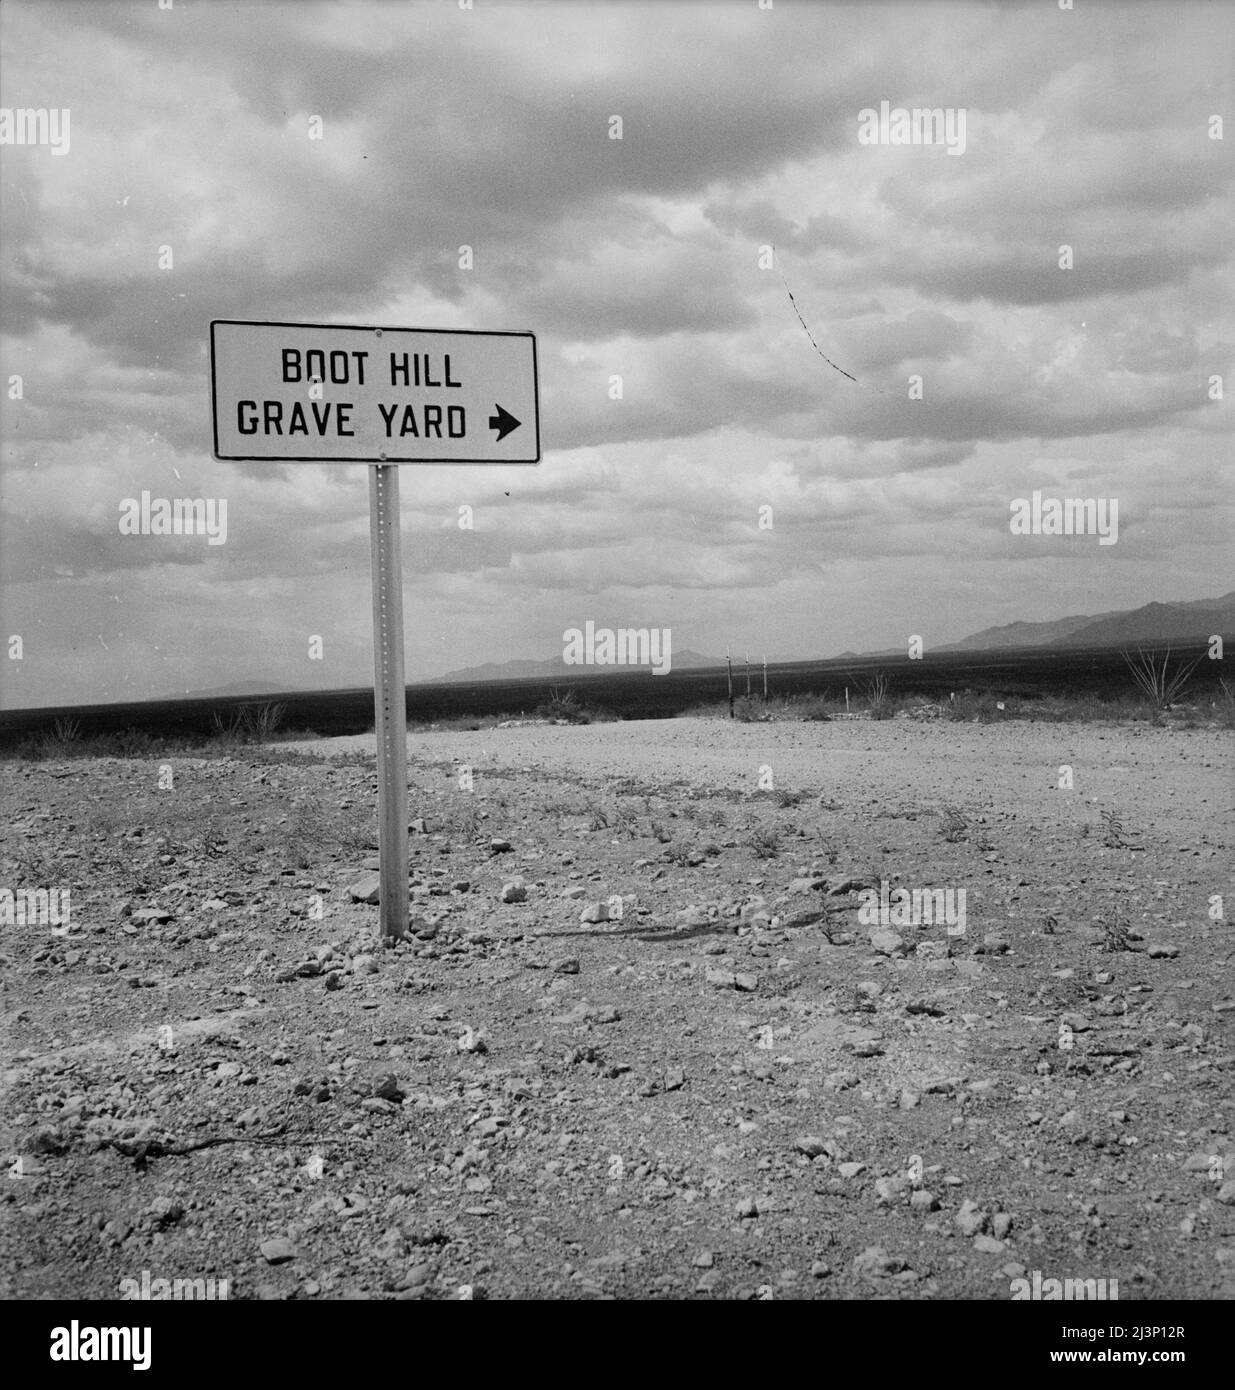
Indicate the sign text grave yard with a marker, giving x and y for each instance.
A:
(328, 393)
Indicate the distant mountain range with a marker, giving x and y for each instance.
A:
(556, 667)
(1154, 622)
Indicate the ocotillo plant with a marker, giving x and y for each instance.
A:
(1153, 680)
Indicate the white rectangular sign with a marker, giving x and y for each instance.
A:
(328, 392)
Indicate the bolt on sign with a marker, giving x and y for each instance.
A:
(335, 393)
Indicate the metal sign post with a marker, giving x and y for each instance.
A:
(336, 393)
(389, 695)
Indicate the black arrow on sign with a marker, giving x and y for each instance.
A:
(503, 422)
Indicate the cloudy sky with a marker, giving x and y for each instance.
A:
(984, 370)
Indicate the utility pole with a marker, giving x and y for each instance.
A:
(729, 665)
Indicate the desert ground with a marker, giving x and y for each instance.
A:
(642, 1039)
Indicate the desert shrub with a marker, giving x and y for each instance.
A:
(248, 723)
(65, 740)
(1085, 708)
(30, 748)
(228, 729)
(879, 703)
(264, 720)
(765, 842)
(1226, 704)
(564, 705)
(971, 707)
(1113, 830)
(813, 708)
(1158, 684)
(313, 832)
(465, 817)
(1116, 935)
(62, 740)
(750, 710)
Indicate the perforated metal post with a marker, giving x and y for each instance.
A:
(390, 696)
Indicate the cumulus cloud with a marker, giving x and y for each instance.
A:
(1050, 306)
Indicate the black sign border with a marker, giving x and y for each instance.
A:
(371, 328)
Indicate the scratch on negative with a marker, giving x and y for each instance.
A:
(811, 336)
